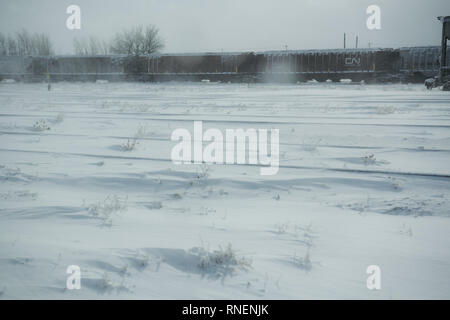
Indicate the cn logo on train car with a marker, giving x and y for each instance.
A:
(352, 61)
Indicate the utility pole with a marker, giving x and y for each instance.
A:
(356, 46)
(344, 40)
(221, 61)
(445, 36)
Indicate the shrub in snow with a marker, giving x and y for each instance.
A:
(305, 234)
(281, 228)
(222, 262)
(41, 125)
(129, 145)
(142, 132)
(369, 159)
(203, 172)
(15, 174)
(142, 260)
(303, 263)
(18, 195)
(406, 230)
(106, 208)
(396, 184)
(201, 175)
(204, 211)
(106, 284)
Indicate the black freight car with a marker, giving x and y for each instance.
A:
(321, 65)
(407, 64)
(211, 66)
(76, 68)
(419, 63)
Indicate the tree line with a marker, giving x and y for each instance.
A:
(137, 40)
(24, 43)
(134, 41)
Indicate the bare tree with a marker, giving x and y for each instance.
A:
(12, 46)
(42, 45)
(3, 45)
(90, 46)
(152, 41)
(24, 43)
(137, 40)
(94, 45)
(98, 46)
(80, 46)
(127, 42)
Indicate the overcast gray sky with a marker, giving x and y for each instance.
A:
(235, 25)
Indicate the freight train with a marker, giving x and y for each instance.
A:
(412, 64)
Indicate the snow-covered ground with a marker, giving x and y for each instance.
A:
(363, 180)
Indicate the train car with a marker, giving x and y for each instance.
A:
(202, 63)
(15, 67)
(188, 63)
(67, 67)
(330, 64)
(403, 64)
(418, 63)
(213, 66)
(84, 67)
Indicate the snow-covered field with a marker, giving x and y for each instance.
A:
(364, 179)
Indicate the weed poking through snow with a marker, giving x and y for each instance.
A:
(106, 284)
(396, 184)
(222, 262)
(406, 230)
(130, 145)
(142, 132)
(369, 159)
(304, 262)
(41, 125)
(105, 209)
(203, 172)
(282, 228)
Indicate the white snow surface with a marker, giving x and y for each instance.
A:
(86, 179)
